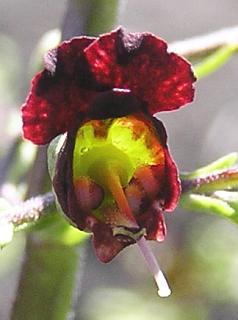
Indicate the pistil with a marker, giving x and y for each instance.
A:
(161, 282)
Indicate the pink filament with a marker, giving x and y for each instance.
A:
(163, 288)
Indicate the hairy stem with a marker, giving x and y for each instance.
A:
(224, 180)
(28, 211)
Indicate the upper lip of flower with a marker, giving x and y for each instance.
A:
(110, 76)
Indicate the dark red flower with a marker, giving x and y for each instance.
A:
(114, 174)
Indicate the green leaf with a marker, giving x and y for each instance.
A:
(214, 61)
(53, 152)
(220, 164)
(231, 197)
(221, 203)
(52, 156)
(206, 204)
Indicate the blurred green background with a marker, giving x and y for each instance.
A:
(199, 255)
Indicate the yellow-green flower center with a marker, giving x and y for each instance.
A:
(130, 141)
(119, 145)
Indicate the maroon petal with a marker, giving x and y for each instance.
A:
(171, 189)
(153, 222)
(106, 245)
(63, 184)
(172, 185)
(142, 64)
(58, 98)
(157, 229)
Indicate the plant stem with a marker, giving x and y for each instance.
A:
(200, 46)
(224, 180)
(102, 17)
(28, 211)
(85, 17)
(46, 286)
(7, 160)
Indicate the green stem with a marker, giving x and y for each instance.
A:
(102, 17)
(7, 162)
(223, 180)
(47, 281)
(89, 17)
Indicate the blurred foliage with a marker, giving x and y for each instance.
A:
(48, 41)
(138, 305)
(50, 269)
(208, 204)
(54, 227)
(6, 228)
(10, 260)
(9, 70)
(214, 259)
(23, 158)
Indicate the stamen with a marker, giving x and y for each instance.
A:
(113, 183)
(163, 287)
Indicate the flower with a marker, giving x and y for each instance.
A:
(114, 174)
